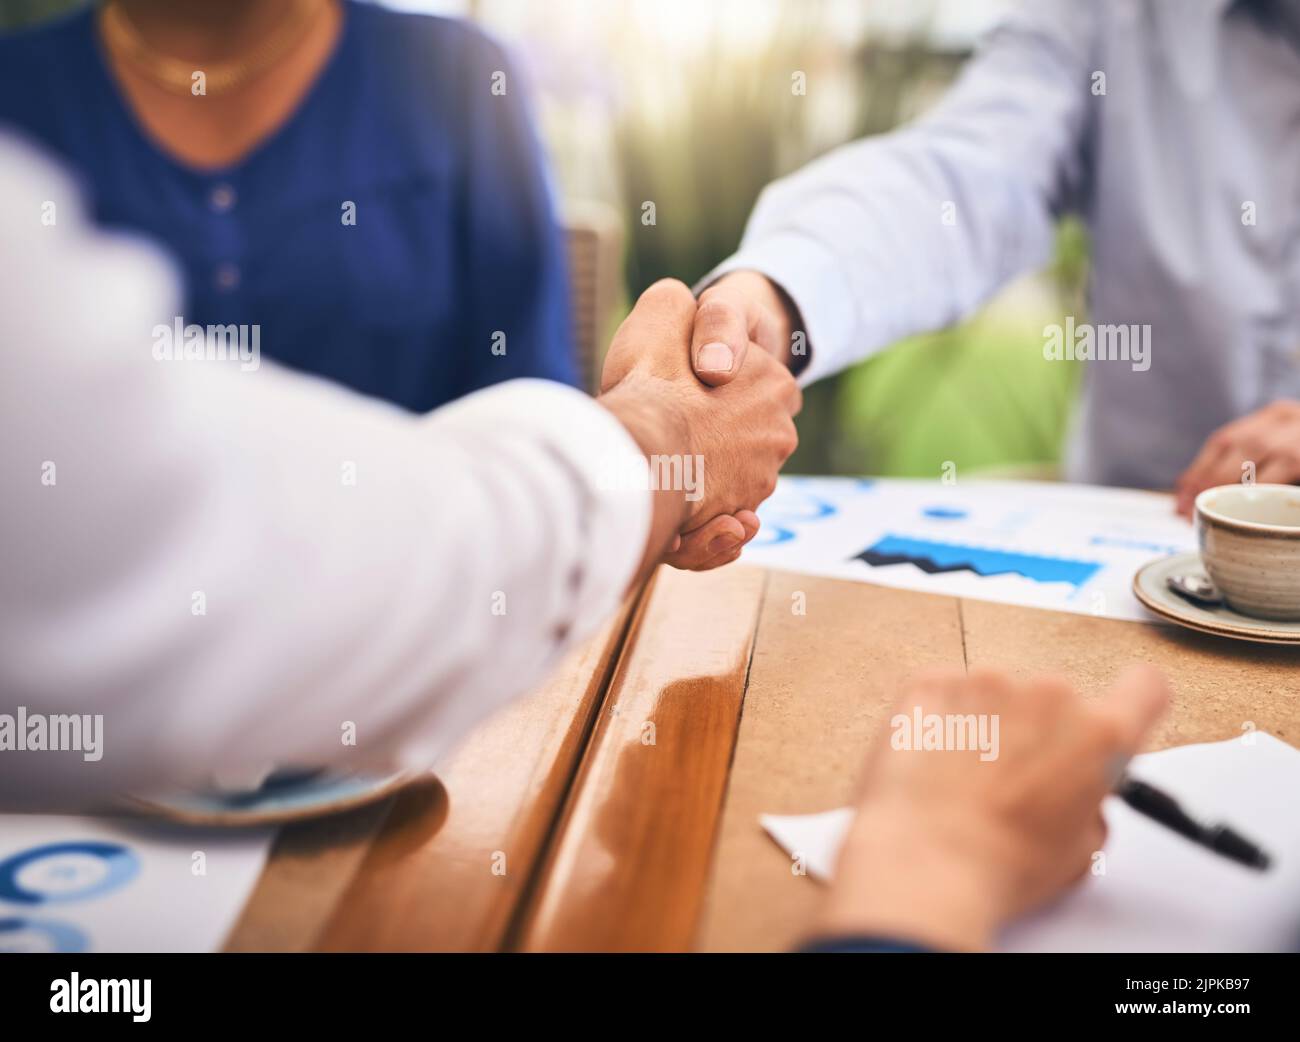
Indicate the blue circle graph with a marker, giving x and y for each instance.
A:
(40, 935)
(60, 872)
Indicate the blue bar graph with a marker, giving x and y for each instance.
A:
(932, 557)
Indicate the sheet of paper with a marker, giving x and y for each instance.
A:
(1065, 547)
(1155, 891)
(122, 884)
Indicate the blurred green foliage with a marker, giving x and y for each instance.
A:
(979, 394)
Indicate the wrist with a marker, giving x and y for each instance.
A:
(658, 426)
(899, 882)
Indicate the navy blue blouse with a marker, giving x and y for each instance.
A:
(455, 240)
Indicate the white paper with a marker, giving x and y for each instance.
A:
(1069, 548)
(813, 839)
(1159, 892)
(122, 884)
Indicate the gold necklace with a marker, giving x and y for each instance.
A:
(177, 75)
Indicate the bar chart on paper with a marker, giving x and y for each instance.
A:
(1069, 548)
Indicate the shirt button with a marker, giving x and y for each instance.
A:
(227, 277)
(222, 198)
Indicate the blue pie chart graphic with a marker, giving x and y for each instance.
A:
(19, 934)
(57, 873)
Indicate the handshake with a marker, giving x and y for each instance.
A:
(709, 384)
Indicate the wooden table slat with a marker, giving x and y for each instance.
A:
(309, 868)
(1220, 687)
(627, 869)
(454, 858)
(820, 684)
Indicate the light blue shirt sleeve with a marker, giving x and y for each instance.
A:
(912, 230)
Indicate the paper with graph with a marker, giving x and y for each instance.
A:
(78, 884)
(1065, 547)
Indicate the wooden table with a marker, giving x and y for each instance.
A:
(616, 809)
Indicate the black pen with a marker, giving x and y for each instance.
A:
(1160, 807)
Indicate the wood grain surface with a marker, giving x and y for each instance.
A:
(447, 874)
(627, 868)
(624, 797)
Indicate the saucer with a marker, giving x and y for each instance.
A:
(283, 798)
(1151, 587)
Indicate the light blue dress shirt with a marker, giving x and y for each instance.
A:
(1172, 127)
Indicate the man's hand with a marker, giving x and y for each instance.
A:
(742, 432)
(1269, 438)
(739, 310)
(947, 847)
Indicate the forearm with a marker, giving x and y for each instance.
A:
(657, 430)
(309, 578)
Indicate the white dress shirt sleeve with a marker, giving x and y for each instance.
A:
(912, 230)
(247, 569)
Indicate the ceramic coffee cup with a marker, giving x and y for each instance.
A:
(1250, 547)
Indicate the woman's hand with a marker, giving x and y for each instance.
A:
(948, 846)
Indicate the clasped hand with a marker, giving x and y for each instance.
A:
(741, 428)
